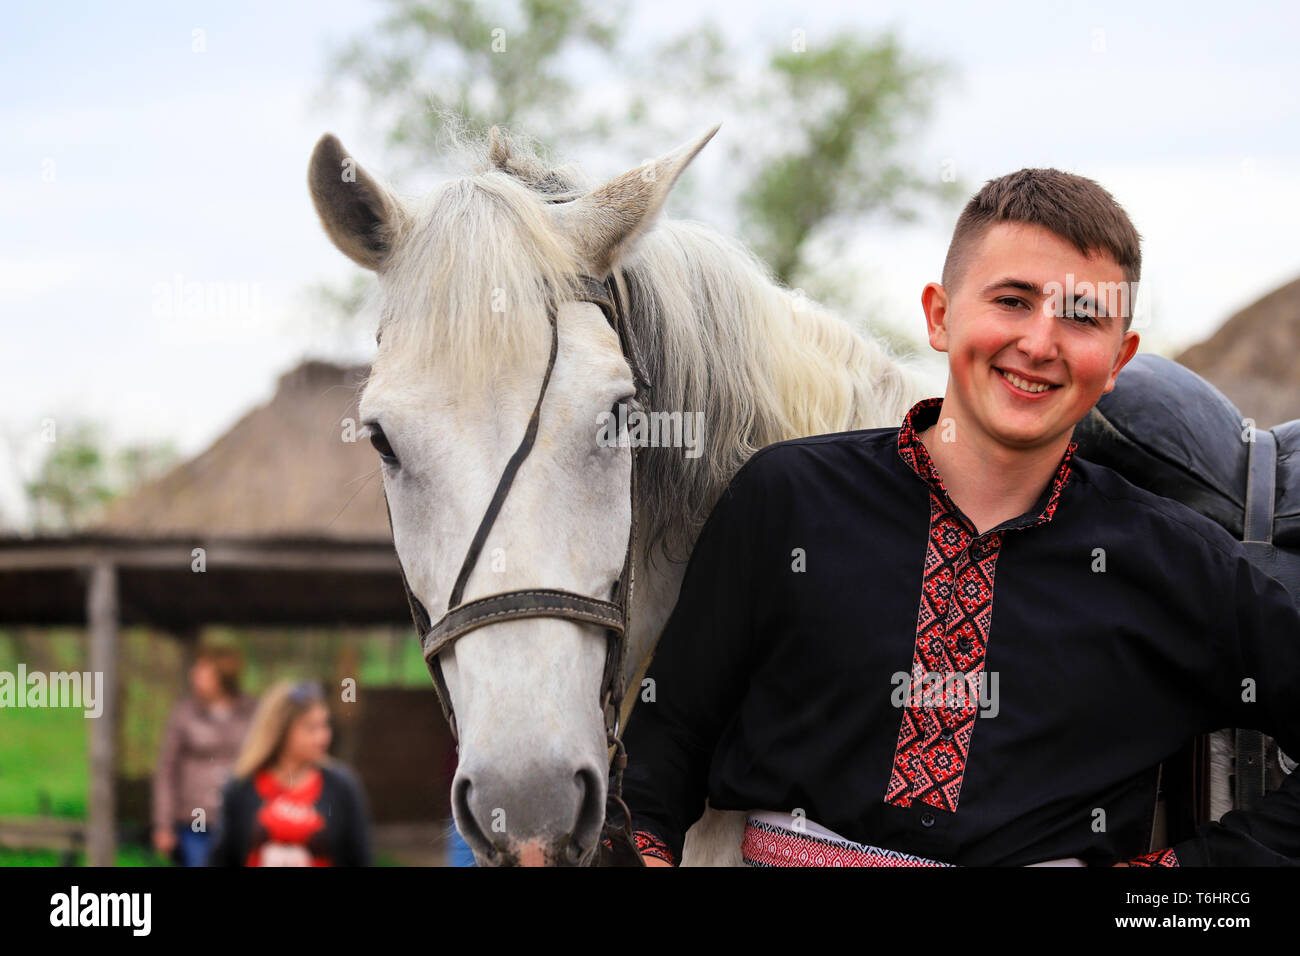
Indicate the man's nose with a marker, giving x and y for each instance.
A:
(1038, 338)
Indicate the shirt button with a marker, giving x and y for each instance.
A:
(965, 644)
(945, 734)
(927, 819)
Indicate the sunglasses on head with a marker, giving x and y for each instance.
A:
(305, 692)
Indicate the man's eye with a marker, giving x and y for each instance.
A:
(1010, 300)
(1083, 318)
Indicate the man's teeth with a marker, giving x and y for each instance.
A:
(1019, 382)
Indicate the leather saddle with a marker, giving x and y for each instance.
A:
(1166, 429)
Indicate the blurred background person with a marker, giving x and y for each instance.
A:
(202, 739)
(288, 802)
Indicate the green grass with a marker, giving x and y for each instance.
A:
(43, 762)
(126, 856)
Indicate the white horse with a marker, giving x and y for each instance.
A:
(462, 346)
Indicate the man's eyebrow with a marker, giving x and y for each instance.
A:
(1009, 282)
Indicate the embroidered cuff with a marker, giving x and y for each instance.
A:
(1155, 858)
(647, 844)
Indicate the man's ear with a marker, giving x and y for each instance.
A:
(934, 300)
(1127, 349)
(360, 215)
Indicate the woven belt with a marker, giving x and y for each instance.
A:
(771, 844)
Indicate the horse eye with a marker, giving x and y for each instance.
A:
(630, 401)
(380, 442)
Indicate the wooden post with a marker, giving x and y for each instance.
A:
(101, 616)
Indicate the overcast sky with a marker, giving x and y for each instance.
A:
(132, 162)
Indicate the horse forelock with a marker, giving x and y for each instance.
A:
(469, 285)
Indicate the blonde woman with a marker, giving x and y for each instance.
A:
(288, 803)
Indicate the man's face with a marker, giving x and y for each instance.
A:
(1025, 365)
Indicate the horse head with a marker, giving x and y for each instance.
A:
(469, 279)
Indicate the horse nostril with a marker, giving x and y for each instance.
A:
(591, 810)
(549, 823)
(572, 853)
(469, 827)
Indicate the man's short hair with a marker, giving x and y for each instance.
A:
(1073, 207)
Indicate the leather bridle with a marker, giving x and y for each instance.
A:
(462, 618)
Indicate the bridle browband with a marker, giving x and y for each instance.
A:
(462, 618)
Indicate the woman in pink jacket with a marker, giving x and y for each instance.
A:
(202, 739)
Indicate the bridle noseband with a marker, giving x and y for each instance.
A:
(462, 618)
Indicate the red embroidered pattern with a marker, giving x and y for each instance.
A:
(767, 845)
(647, 844)
(1155, 858)
(952, 632)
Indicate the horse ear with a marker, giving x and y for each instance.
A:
(606, 221)
(360, 215)
(499, 148)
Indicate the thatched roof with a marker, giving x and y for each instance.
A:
(1254, 358)
(283, 469)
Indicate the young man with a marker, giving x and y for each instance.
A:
(954, 642)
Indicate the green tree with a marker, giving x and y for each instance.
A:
(827, 129)
(844, 109)
(79, 476)
(435, 66)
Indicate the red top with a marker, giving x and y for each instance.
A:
(286, 822)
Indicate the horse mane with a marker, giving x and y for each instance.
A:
(716, 332)
(764, 364)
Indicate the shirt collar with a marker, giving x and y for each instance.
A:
(913, 451)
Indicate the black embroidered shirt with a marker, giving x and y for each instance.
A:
(847, 646)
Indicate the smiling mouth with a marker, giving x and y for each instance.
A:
(1024, 384)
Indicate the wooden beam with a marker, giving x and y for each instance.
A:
(36, 833)
(315, 556)
(102, 616)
